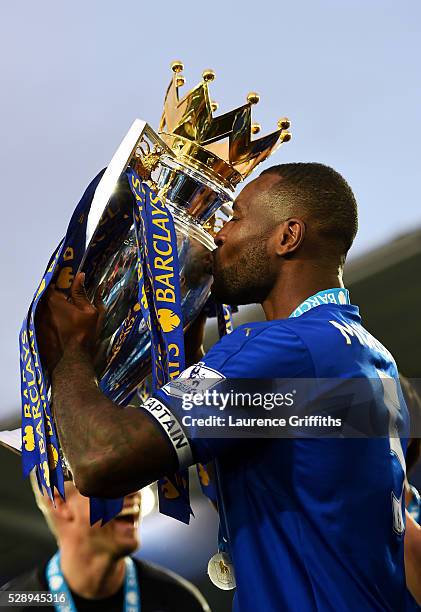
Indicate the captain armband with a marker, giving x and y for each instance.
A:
(172, 428)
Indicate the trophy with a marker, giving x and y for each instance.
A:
(193, 164)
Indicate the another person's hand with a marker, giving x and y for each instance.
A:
(63, 323)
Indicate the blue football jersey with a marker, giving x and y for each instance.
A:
(313, 523)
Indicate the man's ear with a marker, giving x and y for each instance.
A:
(62, 510)
(288, 236)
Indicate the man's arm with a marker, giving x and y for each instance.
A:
(111, 450)
(114, 450)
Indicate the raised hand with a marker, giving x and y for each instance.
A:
(64, 323)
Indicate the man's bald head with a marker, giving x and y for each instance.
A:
(322, 197)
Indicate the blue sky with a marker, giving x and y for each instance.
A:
(75, 75)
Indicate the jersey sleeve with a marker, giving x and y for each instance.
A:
(267, 352)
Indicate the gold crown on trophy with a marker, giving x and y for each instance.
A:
(220, 147)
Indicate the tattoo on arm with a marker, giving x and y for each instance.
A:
(111, 450)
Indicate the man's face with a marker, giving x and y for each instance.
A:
(119, 537)
(244, 268)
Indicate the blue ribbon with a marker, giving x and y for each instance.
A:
(159, 298)
(159, 307)
(40, 447)
(225, 322)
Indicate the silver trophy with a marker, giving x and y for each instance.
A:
(194, 165)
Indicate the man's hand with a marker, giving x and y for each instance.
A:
(65, 323)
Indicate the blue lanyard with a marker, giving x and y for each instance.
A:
(338, 296)
(223, 531)
(225, 327)
(58, 586)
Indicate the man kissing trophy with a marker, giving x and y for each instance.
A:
(143, 236)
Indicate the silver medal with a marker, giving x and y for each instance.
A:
(221, 571)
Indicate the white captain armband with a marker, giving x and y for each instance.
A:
(173, 430)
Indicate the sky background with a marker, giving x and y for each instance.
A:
(75, 75)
